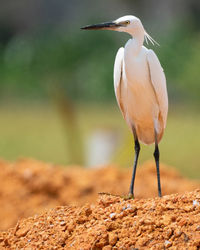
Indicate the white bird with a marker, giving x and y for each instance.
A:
(140, 87)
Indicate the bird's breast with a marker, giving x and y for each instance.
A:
(136, 68)
(138, 93)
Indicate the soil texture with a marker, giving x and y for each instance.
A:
(30, 187)
(172, 221)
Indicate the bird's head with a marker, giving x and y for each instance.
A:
(129, 24)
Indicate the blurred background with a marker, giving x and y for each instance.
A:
(57, 101)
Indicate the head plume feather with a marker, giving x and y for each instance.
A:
(149, 38)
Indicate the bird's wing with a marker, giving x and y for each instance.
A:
(158, 80)
(118, 70)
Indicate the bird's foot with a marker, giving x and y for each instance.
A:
(129, 196)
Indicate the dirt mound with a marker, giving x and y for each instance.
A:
(113, 223)
(30, 187)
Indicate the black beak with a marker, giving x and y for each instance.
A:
(101, 26)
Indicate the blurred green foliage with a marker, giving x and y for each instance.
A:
(180, 56)
(78, 62)
(82, 63)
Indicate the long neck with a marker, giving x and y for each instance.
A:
(137, 42)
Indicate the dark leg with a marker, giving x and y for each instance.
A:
(156, 156)
(137, 151)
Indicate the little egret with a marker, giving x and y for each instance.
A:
(140, 88)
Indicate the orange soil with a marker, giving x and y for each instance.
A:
(29, 187)
(113, 223)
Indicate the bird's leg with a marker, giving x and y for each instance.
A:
(156, 156)
(137, 151)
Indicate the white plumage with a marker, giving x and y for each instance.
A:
(140, 87)
(141, 96)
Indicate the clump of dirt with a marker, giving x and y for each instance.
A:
(113, 223)
(29, 187)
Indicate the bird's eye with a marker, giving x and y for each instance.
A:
(125, 23)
